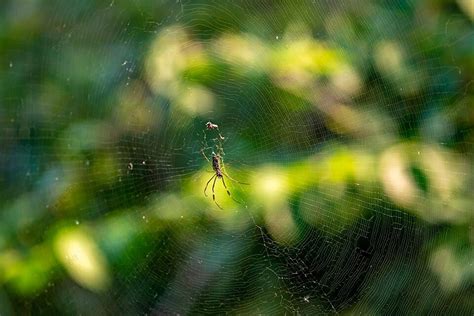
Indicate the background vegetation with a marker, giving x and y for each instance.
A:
(352, 122)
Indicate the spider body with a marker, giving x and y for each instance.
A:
(216, 165)
(218, 174)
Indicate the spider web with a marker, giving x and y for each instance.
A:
(349, 122)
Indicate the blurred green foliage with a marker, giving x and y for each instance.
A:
(351, 122)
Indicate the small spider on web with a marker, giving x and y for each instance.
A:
(217, 163)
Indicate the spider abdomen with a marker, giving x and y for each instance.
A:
(216, 165)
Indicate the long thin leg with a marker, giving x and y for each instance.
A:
(229, 177)
(223, 182)
(228, 192)
(213, 194)
(204, 155)
(205, 189)
(232, 179)
(214, 184)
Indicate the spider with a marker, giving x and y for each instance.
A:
(219, 174)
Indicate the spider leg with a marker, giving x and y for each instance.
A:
(232, 179)
(205, 147)
(204, 155)
(207, 184)
(223, 182)
(229, 177)
(228, 192)
(213, 194)
(218, 204)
